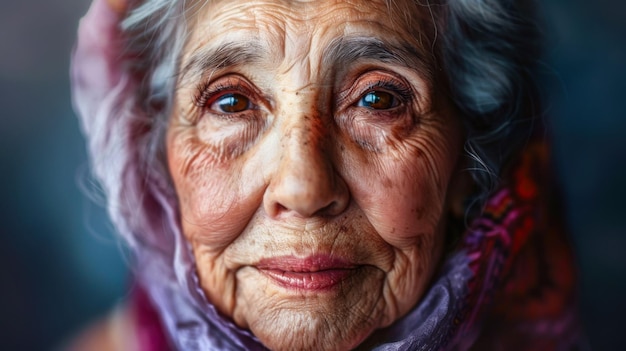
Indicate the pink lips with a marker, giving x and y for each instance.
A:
(319, 272)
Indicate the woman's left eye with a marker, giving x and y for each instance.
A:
(378, 100)
(231, 103)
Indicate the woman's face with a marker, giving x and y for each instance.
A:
(312, 158)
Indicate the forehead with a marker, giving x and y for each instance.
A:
(298, 16)
(292, 30)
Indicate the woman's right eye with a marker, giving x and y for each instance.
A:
(231, 103)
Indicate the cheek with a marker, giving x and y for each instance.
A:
(210, 192)
(404, 194)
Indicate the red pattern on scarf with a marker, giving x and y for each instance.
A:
(523, 294)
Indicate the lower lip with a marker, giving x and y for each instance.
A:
(311, 281)
(313, 273)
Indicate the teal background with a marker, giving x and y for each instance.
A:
(61, 267)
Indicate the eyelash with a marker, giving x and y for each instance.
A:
(205, 93)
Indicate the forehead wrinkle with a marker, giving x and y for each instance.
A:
(279, 32)
(296, 60)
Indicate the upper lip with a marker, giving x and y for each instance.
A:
(309, 264)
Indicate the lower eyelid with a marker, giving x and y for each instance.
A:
(380, 118)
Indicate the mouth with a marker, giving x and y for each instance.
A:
(313, 273)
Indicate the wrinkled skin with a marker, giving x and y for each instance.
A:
(287, 153)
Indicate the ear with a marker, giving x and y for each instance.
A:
(118, 6)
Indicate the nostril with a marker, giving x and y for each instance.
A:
(280, 208)
(303, 206)
(329, 210)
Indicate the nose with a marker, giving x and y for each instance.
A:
(306, 183)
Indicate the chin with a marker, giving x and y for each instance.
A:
(340, 318)
(305, 330)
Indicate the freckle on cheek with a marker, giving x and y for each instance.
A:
(400, 132)
(419, 241)
(419, 212)
(387, 183)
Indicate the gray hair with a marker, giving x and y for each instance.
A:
(486, 53)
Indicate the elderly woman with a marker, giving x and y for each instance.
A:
(325, 175)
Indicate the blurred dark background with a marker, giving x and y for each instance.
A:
(60, 265)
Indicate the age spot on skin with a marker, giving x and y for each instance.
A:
(419, 241)
(387, 183)
(419, 212)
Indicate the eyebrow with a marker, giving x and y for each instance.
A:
(221, 56)
(346, 50)
(342, 51)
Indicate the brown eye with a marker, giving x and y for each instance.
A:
(378, 100)
(231, 103)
